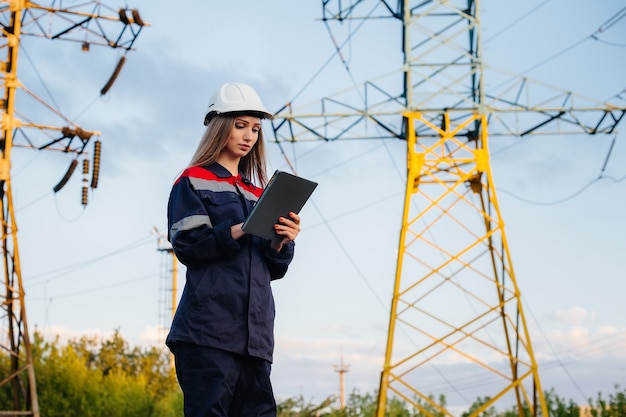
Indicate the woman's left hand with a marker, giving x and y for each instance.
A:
(288, 228)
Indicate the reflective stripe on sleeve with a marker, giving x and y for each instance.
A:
(189, 223)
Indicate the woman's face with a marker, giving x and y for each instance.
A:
(243, 136)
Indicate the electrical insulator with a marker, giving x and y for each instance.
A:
(97, 146)
(113, 77)
(66, 177)
(123, 16)
(137, 18)
(85, 180)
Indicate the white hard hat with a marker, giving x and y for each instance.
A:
(235, 97)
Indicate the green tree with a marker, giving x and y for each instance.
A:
(614, 406)
(360, 404)
(560, 407)
(170, 405)
(366, 404)
(65, 385)
(93, 378)
(478, 404)
(300, 407)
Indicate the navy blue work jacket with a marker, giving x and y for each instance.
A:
(227, 302)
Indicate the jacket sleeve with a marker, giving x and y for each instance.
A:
(278, 262)
(195, 240)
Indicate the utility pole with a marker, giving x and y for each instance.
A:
(342, 369)
(20, 18)
(171, 266)
(455, 297)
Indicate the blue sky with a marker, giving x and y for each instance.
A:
(93, 270)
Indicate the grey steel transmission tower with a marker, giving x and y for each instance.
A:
(88, 23)
(455, 294)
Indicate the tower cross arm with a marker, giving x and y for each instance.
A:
(515, 120)
(88, 23)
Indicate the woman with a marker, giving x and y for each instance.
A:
(222, 334)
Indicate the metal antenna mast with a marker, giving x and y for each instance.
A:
(169, 274)
(88, 23)
(341, 369)
(455, 296)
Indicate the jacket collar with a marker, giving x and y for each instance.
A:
(219, 170)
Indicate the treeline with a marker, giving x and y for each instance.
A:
(93, 377)
(364, 405)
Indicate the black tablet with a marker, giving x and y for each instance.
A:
(284, 193)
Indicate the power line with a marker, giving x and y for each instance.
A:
(612, 20)
(558, 358)
(605, 26)
(329, 60)
(619, 45)
(46, 277)
(576, 193)
(45, 86)
(550, 203)
(515, 22)
(102, 287)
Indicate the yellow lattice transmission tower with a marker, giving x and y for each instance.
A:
(88, 23)
(456, 298)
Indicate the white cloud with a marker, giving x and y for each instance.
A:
(149, 336)
(607, 331)
(573, 315)
(581, 343)
(153, 336)
(65, 334)
(329, 350)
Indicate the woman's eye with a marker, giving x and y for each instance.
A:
(243, 126)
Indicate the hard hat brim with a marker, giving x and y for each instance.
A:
(212, 114)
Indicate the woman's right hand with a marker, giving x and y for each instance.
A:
(236, 231)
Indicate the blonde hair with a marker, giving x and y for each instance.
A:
(214, 140)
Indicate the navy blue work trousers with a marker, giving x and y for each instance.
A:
(216, 383)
